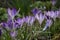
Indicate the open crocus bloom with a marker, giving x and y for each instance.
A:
(12, 12)
(52, 14)
(20, 21)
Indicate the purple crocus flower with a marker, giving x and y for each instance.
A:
(12, 12)
(51, 14)
(13, 34)
(29, 20)
(48, 24)
(20, 21)
(40, 17)
(36, 11)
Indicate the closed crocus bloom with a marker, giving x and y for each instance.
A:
(32, 19)
(27, 19)
(41, 18)
(48, 24)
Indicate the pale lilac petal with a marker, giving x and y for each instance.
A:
(27, 19)
(32, 19)
(41, 18)
(9, 12)
(14, 11)
(48, 24)
(37, 16)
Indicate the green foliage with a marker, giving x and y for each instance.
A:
(42, 5)
(3, 15)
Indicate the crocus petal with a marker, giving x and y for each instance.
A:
(37, 16)
(9, 12)
(5, 25)
(48, 24)
(32, 19)
(58, 14)
(13, 12)
(10, 24)
(27, 19)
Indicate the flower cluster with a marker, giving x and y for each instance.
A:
(13, 23)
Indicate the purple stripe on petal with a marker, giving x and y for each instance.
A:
(14, 11)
